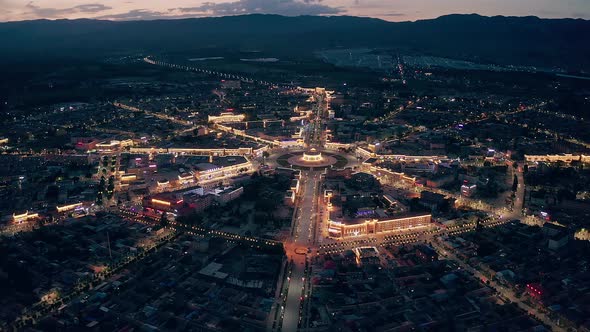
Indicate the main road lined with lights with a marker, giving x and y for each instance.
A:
(303, 236)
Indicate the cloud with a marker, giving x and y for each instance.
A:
(135, 14)
(281, 7)
(145, 14)
(581, 15)
(393, 14)
(47, 12)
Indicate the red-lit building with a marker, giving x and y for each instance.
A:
(164, 202)
(467, 189)
(84, 143)
(536, 291)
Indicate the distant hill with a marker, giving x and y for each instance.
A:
(502, 40)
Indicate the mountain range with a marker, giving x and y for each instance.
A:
(563, 43)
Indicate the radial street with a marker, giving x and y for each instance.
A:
(301, 241)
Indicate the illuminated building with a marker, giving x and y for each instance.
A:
(108, 146)
(85, 144)
(226, 117)
(113, 145)
(242, 133)
(3, 140)
(68, 207)
(375, 147)
(128, 177)
(289, 197)
(289, 143)
(366, 153)
(228, 194)
(295, 185)
(222, 170)
(552, 158)
(163, 184)
(388, 177)
(22, 217)
(185, 178)
(337, 146)
(421, 166)
(164, 202)
(358, 227)
(536, 291)
(197, 152)
(216, 152)
(468, 190)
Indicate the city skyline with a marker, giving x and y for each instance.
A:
(402, 10)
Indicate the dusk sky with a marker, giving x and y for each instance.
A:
(391, 10)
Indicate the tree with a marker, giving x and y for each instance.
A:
(265, 155)
(164, 219)
(191, 219)
(515, 183)
(52, 193)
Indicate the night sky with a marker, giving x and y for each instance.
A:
(391, 10)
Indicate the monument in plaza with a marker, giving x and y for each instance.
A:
(312, 156)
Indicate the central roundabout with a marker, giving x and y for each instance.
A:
(313, 158)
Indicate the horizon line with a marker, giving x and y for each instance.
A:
(291, 16)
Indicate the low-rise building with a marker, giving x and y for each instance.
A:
(228, 194)
(362, 227)
(226, 117)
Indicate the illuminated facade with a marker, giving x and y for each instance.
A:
(197, 152)
(468, 190)
(242, 133)
(336, 146)
(212, 176)
(366, 153)
(291, 143)
(388, 177)
(113, 145)
(227, 117)
(186, 178)
(69, 207)
(22, 217)
(165, 202)
(128, 177)
(377, 226)
(552, 158)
